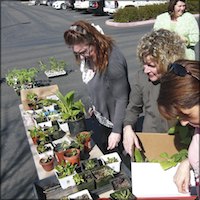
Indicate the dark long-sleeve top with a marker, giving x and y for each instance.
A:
(143, 98)
(109, 91)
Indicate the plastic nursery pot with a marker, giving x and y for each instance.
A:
(47, 166)
(72, 155)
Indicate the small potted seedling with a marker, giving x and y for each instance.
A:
(120, 182)
(72, 155)
(44, 150)
(112, 160)
(123, 194)
(64, 173)
(89, 164)
(102, 174)
(47, 163)
(83, 194)
(84, 180)
(60, 146)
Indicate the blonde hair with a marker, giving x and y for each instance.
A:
(164, 46)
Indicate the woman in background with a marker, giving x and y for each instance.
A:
(182, 22)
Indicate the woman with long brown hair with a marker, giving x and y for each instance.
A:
(104, 71)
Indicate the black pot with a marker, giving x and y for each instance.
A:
(76, 127)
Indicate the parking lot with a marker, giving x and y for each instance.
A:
(29, 34)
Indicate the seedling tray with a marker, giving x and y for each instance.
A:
(49, 188)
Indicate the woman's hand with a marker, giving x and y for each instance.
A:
(129, 140)
(113, 140)
(182, 176)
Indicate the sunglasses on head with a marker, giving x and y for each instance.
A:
(179, 70)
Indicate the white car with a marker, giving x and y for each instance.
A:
(59, 5)
(112, 6)
(81, 4)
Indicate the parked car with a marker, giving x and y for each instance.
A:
(81, 4)
(96, 7)
(34, 2)
(112, 6)
(50, 2)
(60, 4)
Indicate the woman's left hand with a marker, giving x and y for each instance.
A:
(113, 140)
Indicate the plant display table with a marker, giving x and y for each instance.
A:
(95, 151)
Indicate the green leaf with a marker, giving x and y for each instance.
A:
(138, 155)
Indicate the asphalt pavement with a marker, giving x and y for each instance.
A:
(30, 34)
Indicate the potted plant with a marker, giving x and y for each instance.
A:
(89, 164)
(78, 145)
(60, 148)
(21, 78)
(72, 155)
(120, 182)
(83, 194)
(73, 112)
(47, 163)
(123, 194)
(53, 68)
(84, 138)
(35, 133)
(102, 175)
(112, 160)
(33, 101)
(44, 150)
(41, 120)
(84, 180)
(64, 173)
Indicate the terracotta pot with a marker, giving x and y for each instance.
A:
(74, 159)
(34, 140)
(47, 166)
(59, 156)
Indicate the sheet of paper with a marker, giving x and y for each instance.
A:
(150, 180)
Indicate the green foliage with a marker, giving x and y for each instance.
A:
(122, 194)
(78, 178)
(53, 64)
(82, 137)
(171, 161)
(111, 160)
(70, 109)
(90, 164)
(35, 131)
(65, 169)
(21, 76)
(41, 148)
(139, 156)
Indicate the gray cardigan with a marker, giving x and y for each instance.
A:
(143, 97)
(109, 91)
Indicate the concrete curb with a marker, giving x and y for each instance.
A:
(110, 22)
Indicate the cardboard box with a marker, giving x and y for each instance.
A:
(42, 92)
(149, 180)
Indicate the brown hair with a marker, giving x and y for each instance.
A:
(163, 45)
(179, 92)
(171, 5)
(83, 32)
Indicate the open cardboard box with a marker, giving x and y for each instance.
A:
(42, 92)
(149, 180)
